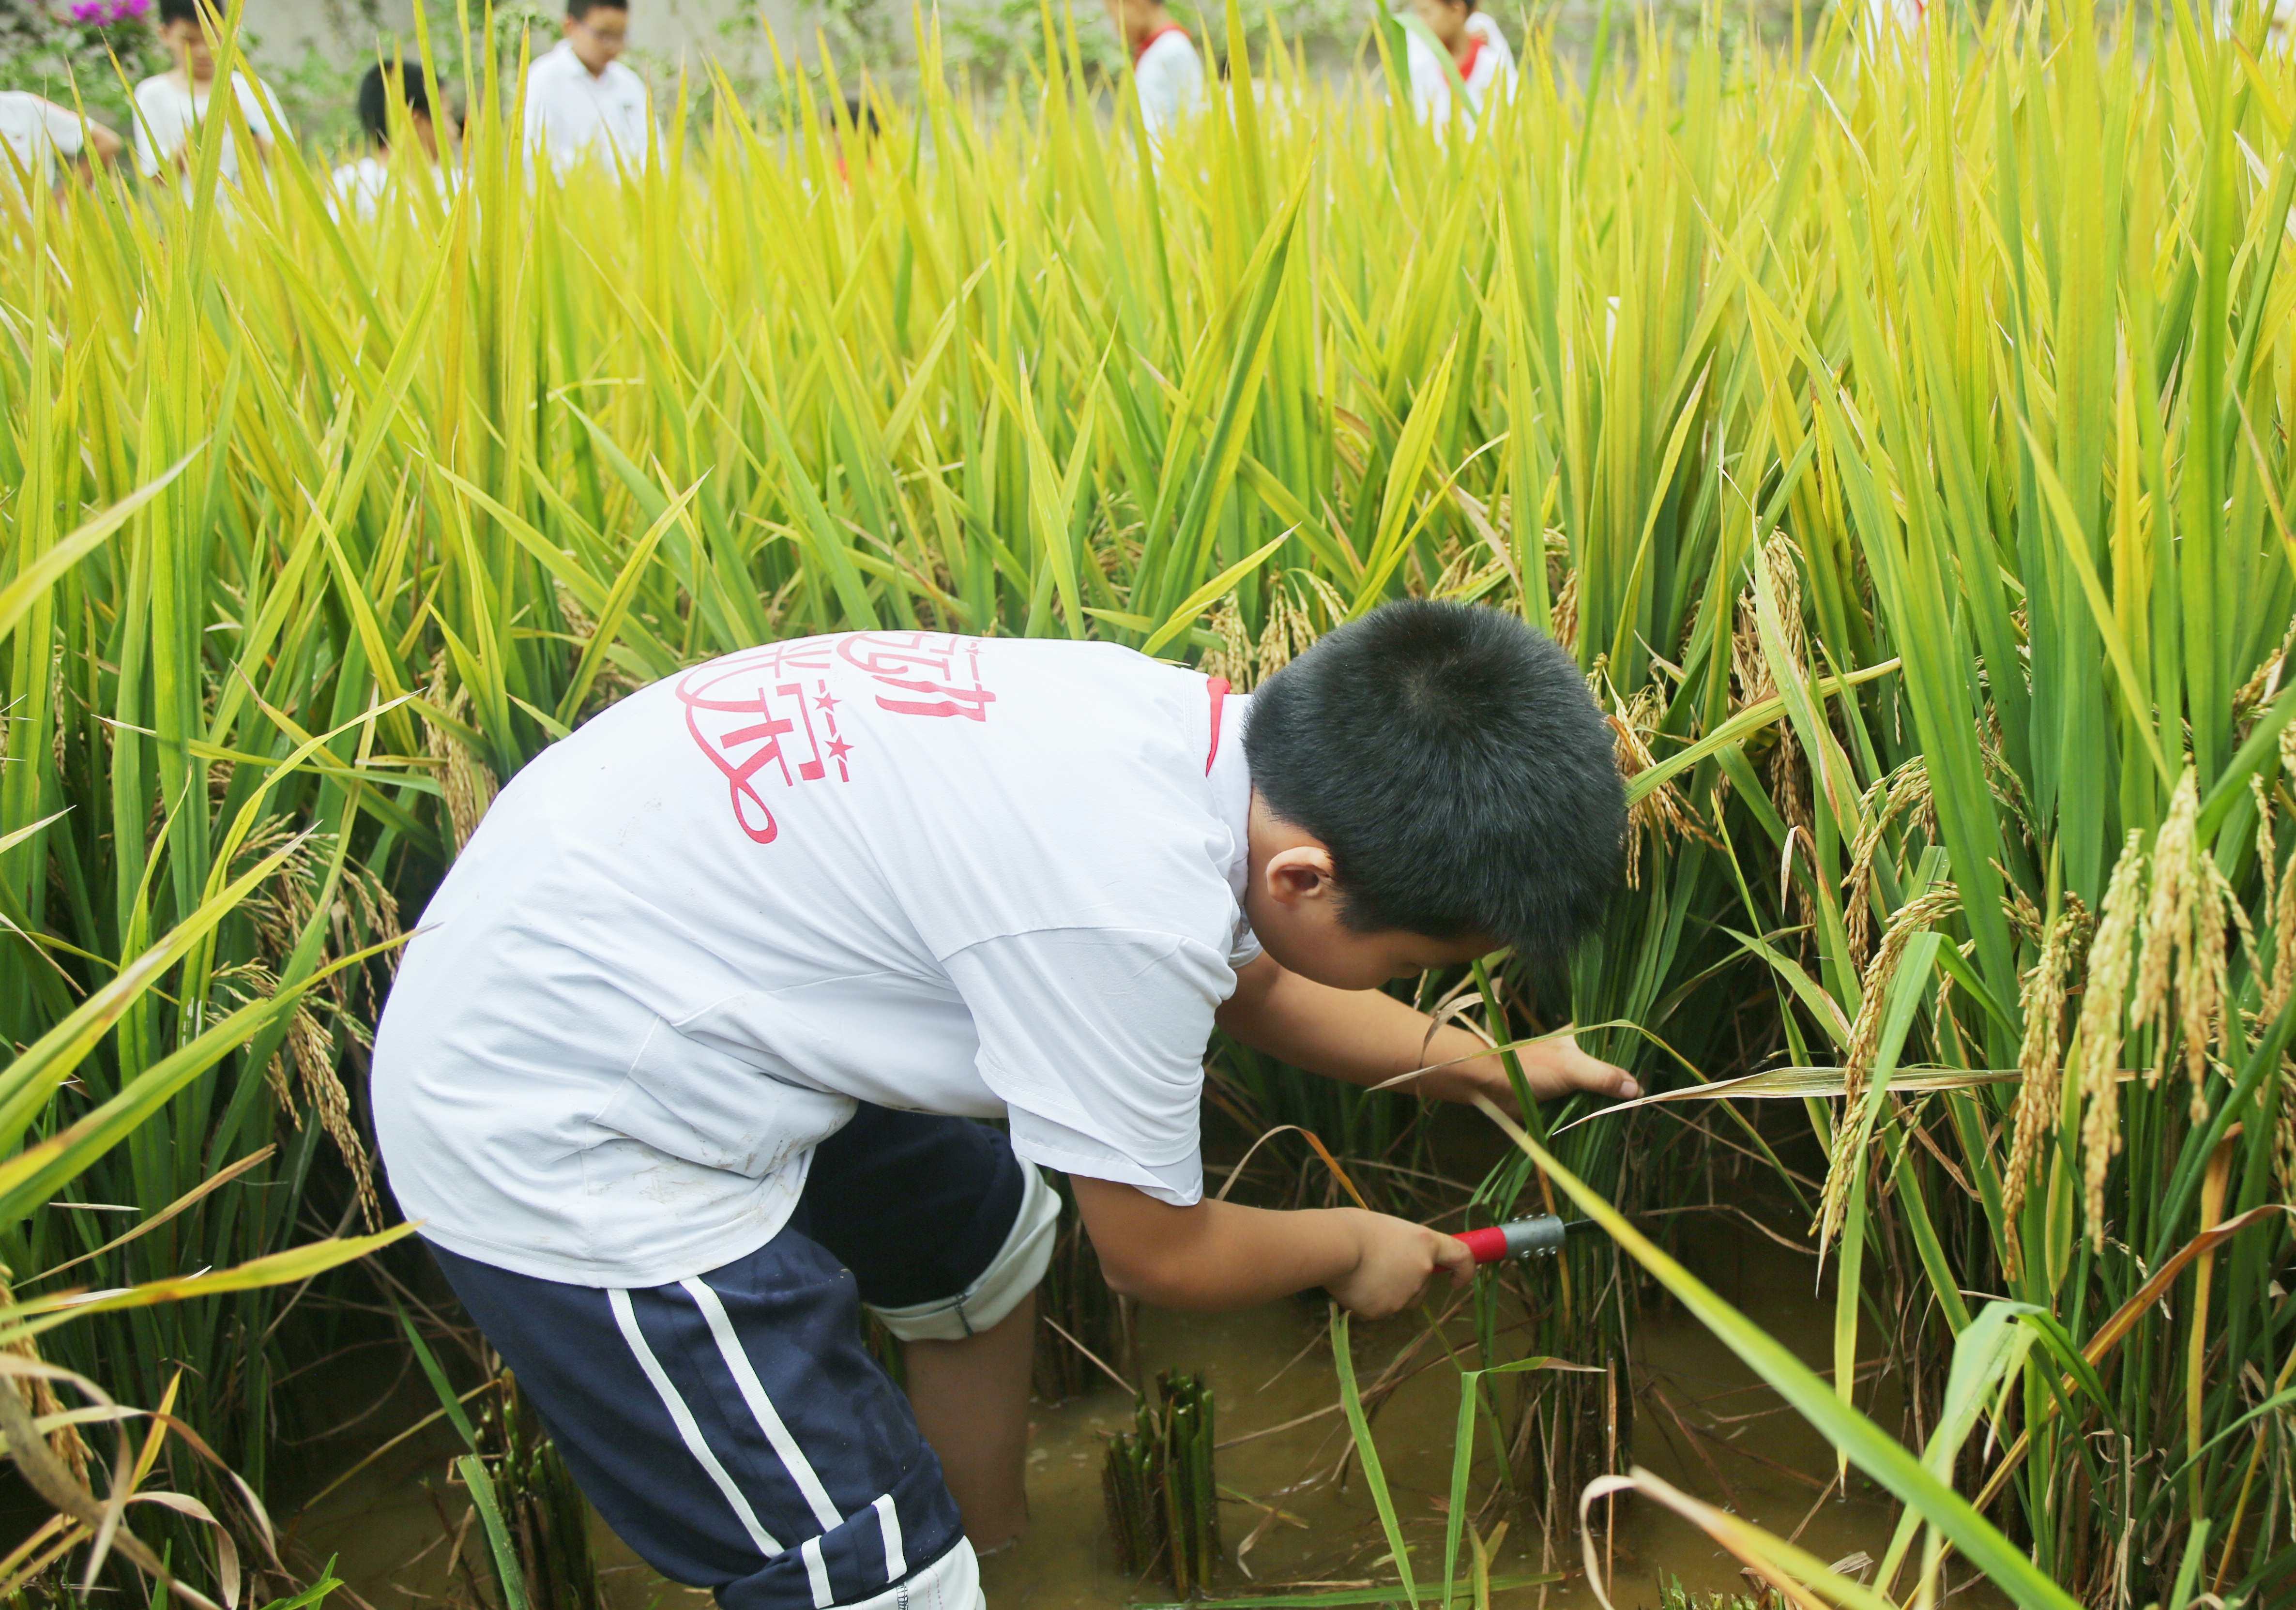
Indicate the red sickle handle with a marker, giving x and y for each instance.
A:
(1518, 1238)
(1488, 1245)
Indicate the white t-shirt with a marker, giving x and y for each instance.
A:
(1170, 79)
(996, 878)
(35, 133)
(573, 115)
(1488, 72)
(365, 182)
(362, 183)
(167, 114)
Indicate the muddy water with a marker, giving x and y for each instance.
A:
(1723, 1438)
(1726, 1440)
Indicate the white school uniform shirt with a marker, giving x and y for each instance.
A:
(360, 184)
(1490, 72)
(363, 185)
(999, 878)
(1896, 17)
(1169, 77)
(35, 133)
(573, 115)
(167, 114)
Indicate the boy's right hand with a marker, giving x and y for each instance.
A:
(1395, 1260)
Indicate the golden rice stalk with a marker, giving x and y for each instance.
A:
(1663, 811)
(2201, 983)
(1789, 790)
(1457, 576)
(1864, 1043)
(2169, 916)
(1564, 615)
(1233, 658)
(1335, 611)
(1277, 637)
(2284, 1153)
(1906, 789)
(2277, 976)
(465, 780)
(2040, 1063)
(2097, 1035)
(40, 1398)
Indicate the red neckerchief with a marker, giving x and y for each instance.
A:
(1474, 53)
(1216, 686)
(1170, 28)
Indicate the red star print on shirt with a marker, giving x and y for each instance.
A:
(767, 712)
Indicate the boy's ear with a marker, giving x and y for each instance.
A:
(1300, 873)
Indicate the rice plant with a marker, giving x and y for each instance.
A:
(1894, 428)
(1163, 1505)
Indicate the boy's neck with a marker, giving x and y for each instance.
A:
(1153, 23)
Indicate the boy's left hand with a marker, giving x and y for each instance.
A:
(1553, 1068)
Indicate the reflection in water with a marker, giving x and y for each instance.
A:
(1701, 1424)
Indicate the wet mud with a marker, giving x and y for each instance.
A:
(1702, 1422)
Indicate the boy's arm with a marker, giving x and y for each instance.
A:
(1366, 1037)
(1220, 1255)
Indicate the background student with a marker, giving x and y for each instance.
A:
(1477, 50)
(1166, 70)
(581, 102)
(34, 133)
(169, 105)
(363, 182)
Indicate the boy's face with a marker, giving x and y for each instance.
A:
(1293, 906)
(1128, 17)
(188, 43)
(599, 38)
(1445, 19)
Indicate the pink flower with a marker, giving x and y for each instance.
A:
(88, 10)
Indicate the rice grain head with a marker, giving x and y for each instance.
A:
(2167, 917)
(1912, 917)
(2097, 1035)
(1663, 814)
(1904, 790)
(466, 782)
(1232, 660)
(2039, 1060)
(1564, 615)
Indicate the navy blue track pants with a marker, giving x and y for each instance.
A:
(731, 1427)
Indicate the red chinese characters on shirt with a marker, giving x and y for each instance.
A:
(770, 713)
(766, 714)
(926, 673)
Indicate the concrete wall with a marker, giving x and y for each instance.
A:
(341, 30)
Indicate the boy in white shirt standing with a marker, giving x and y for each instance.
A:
(34, 133)
(1476, 51)
(169, 105)
(679, 1069)
(1166, 70)
(581, 102)
(363, 183)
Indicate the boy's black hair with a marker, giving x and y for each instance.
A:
(375, 97)
(1453, 764)
(580, 9)
(180, 10)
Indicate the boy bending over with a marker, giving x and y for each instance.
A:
(681, 1069)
